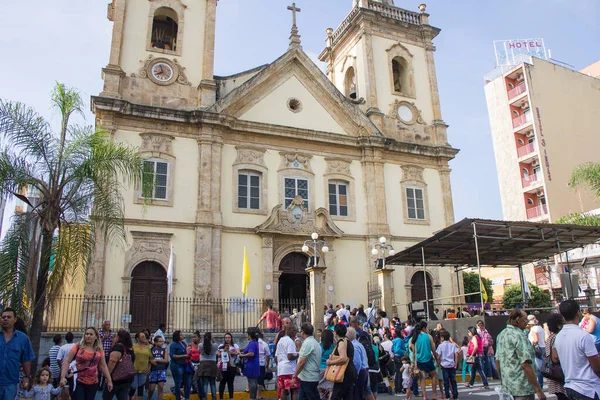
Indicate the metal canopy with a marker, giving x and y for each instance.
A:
(501, 243)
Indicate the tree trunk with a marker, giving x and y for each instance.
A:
(39, 303)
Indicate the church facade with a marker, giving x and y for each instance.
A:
(262, 159)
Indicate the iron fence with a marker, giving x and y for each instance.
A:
(76, 312)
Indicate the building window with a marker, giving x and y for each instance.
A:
(155, 178)
(295, 187)
(338, 198)
(164, 29)
(415, 203)
(249, 189)
(530, 201)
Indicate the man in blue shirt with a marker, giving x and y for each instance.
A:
(361, 363)
(15, 350)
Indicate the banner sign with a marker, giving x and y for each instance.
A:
(511, 52)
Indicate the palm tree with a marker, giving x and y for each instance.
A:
(79, 173)
(588, 175)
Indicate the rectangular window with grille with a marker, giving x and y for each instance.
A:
(249, 190)
(415, 203)
(155, 189)
(295, 187)
(338, 198)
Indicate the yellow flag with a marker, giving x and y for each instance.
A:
(245, 275)
(483, 291)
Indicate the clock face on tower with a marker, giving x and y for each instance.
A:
(162, 72)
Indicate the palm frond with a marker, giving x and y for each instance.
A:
(580, 219)
(27, 133)
(587, 174)
(17, 172)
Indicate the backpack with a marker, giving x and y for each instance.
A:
(486, 338)
(363, 339)
(398, 347)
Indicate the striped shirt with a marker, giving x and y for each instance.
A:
(54, 368)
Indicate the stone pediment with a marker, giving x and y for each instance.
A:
(294, 76)
(296, 220)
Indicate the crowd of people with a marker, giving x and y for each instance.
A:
(358, 356)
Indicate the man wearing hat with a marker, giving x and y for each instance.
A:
(537, 337)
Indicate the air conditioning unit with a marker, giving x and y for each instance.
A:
(525, 105)
(520, 76)
(539, 193)
(535, 163)
(529, 134)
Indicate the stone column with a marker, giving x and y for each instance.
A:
(447, 196)
(113, 73)
(317, 298)
(268, 281)
(385, 281)
(374, 188)
(370, 82)
(208, 87)
(433, 85)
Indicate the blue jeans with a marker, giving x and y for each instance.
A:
(478, 367)
(415, 386)
(205, 381)
(8, 392)
(179, 376)
(450, 380)
(487, 368)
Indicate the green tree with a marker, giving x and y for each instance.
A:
(471, 284)
(586, 175)
(513, 296)
(77, 174)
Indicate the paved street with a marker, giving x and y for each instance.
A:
(476, 393)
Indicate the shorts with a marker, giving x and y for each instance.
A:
(426, 366)
(158, 376)
(407, 383)
(285, 382)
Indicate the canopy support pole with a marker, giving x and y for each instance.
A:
(568, 267)
(478, 264)
(425, 282)
(522, 285)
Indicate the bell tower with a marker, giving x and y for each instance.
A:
(162, 53)
(381, 57)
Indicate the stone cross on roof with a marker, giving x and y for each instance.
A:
(294, 37)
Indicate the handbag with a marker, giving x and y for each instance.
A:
(550, 369)
(124, 369)
(335, 372)
(471, 359)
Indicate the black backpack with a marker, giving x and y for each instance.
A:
(364, 339)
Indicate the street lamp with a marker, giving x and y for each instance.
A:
(313, 242)
(379, 249)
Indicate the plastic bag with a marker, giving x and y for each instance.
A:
(502, 395)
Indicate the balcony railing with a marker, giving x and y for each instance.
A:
(530, 180)
(526, 149)
(516, 91)
(396, 13)
(537, 211)
(521, 120)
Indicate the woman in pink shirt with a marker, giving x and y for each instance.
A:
(475, 349)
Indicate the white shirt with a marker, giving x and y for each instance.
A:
(341, 312)
(63, 351)
(409, 329)
(387, 346)
(285, 346)
(406, 372)
(541, 335)
(263, 352)
(573, 346)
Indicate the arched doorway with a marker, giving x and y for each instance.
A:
(417, 290)
(294, 285)
(148, 301)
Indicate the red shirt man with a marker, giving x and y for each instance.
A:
(272, 319)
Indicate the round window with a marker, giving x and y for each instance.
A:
(294, 105)
(405, 113)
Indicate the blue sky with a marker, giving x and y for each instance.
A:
(68, 41)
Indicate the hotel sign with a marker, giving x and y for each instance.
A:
(512, 52)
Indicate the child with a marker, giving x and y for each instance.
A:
(406, 377)
(41, 389)
(158, 369)
(465, 353)
(448, 353)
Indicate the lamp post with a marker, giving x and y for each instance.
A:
(380, 249)
(314, 242)
(317, 277)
